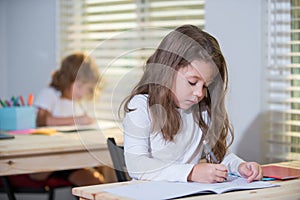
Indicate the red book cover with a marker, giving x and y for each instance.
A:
(281, 173)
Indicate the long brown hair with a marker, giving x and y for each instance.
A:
(178, 49)
(75, 66)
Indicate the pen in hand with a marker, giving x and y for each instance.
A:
(211, 153)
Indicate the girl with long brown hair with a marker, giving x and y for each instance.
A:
(178, 103)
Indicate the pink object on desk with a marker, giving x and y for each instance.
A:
(43, 131)
(22, 132)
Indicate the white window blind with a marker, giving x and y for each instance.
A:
(283, 80)
(121, 35)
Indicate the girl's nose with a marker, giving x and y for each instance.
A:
(198, 92)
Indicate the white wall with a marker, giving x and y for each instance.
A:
(238, 26)
(27, 57)
(3, 57)
(28, 36)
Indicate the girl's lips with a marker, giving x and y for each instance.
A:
(192, 101)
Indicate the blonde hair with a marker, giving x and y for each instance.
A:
(77, 66)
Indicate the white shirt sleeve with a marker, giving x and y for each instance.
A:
(46, 99)
(138, 156)
(232, 162)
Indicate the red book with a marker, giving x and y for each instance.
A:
(281, 173)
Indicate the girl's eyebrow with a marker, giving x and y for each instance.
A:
(194, 76)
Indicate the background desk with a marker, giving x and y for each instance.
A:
(289, 189)
(40, 153)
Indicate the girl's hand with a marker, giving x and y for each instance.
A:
(208, 173)
(83, 120)
(251, 170)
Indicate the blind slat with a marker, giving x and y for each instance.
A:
(121, 34)
(283, 80)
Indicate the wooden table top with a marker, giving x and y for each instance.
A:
(37, 153)
(32, 144)
(289, 189)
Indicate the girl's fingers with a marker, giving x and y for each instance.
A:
(259, 174)
(256, 174)
(251, 178)
(221, 173)
(220, 179)
(209, 173)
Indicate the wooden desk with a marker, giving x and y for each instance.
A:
(289, 189)
(40, 153)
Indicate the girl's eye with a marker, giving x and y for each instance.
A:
(192, 83)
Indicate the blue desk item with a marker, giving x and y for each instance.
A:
(268, 179)
(4, 136)
(17, 118)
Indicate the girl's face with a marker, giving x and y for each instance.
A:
(191, 83)
(80, 89)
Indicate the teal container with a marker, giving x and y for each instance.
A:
(17, 118)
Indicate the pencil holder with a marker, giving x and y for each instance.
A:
(17, 118)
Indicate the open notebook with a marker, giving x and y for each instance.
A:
(168, 190)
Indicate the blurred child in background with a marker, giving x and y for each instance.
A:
(75, 80)
(72, 82)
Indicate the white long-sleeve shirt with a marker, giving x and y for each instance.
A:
(50, 100)
(149, 157)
